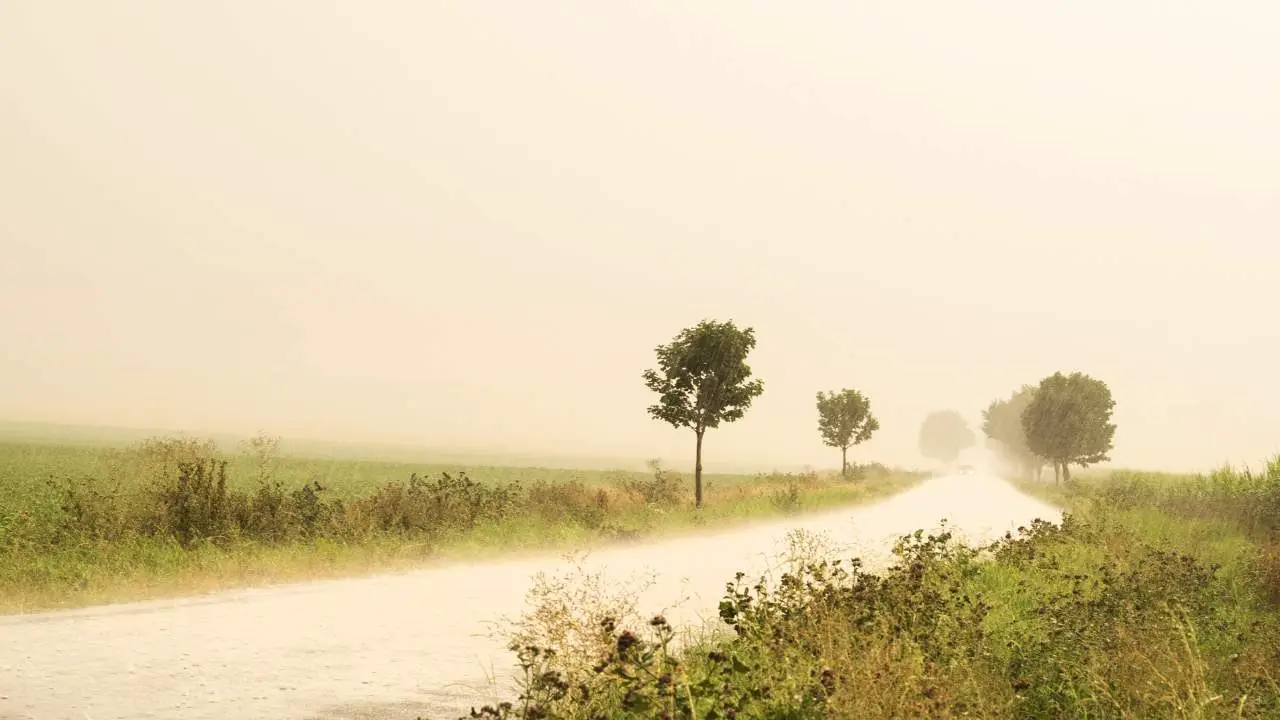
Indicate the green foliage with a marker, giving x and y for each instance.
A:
(944, 435)
(1068, 421)
(1002, 423)
(702, 380)
(1130, 608)
(845, 420)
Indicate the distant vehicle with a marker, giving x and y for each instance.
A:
(966, 470)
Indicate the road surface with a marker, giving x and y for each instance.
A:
(403, 645)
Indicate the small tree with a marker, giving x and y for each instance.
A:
(943, 435)
(1002, 423)
(845, 420)
(703, 380)
(1069, 423)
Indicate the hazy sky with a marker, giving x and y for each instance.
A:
(470, 223)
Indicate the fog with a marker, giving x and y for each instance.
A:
(468, 224)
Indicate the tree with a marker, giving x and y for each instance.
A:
(703, 380)
(1002, 423)
(1068, 422)
(845, 420)
(943, 435)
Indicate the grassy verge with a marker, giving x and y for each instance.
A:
(80, 526)
(1157, 596)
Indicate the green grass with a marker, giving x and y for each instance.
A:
(25, 466)
(84, 524)
(1157, 596)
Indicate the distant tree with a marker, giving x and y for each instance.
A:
(703, 380)
(1002, 423)
(944, 434)
(1068, 422)
(845, 420)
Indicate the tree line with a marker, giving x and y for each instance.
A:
(703, 379)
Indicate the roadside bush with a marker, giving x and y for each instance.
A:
(787, 499)
(434, 507)
(571, 501)
(869, 471)
(1105, 615)
(193, 503)
(780, 660)
(156, 461)
(91, 510)
(1125, 636)
(789, 487)
(185, 494)
(664, 489)
(188, 496)
(274, 514)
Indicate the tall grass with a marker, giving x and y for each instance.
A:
(171, 515)
(1156, 597)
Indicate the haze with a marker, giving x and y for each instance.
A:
(468, 224)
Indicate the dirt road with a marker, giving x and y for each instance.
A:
(402, 645)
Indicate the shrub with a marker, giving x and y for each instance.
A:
(1102, 615)
(194, 503)
(91, 510)
(433, 508)
(664, 489)
(571, 501)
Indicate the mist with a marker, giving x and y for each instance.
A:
(468, 225)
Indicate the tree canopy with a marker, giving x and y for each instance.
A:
(845, 420)
(1068, 421)
(943, 435)
(1002, 423)
(703, 380)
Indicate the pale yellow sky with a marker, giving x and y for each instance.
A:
(471, 222)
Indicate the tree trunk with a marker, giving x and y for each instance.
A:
(697, 472)
(844, 462)
(1066, 472)
(1057, 472)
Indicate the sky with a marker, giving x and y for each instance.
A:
(469, 224)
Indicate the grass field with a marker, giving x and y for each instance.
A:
(26, 465)
(1158, 596)
(85, 523)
